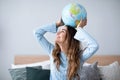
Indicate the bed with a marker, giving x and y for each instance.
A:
(102, 59)
(109, 65)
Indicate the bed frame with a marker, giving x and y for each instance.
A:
(102, 59)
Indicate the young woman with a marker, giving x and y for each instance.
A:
(67, 55)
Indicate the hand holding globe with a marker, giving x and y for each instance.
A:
(59, 23)
(82, 23)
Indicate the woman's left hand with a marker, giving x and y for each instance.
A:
(82, 23)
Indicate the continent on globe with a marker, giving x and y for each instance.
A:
(74, 9)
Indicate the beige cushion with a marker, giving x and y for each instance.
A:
(44, 64)
(110, 72)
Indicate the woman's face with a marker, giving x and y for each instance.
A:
(61, 35)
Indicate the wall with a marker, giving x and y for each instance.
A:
(18, 19)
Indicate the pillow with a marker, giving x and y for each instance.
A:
(20, 73)
(90, 72)
(37, 74)
(110, 72)
(44, 64)
(86, 64)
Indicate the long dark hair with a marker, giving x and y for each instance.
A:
(73, 53)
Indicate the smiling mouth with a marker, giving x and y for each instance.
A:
(57, 36)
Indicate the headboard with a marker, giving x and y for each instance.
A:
(102, 59)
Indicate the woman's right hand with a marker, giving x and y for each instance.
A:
(59, 23)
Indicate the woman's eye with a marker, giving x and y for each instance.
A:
(63, 31)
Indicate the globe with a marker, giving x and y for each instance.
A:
(73, 13)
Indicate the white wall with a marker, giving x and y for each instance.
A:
(18, 19)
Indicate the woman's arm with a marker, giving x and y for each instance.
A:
(92, 45)
(39, 34)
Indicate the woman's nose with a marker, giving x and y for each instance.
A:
(58, 32)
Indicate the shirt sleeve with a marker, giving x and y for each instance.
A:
(91, 44)
(39, 34)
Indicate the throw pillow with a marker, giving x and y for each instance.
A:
(37, 74)
(45, 64)
(110, 72)
(90, 72)
(20, 73)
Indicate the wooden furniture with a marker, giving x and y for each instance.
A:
(102, 59)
